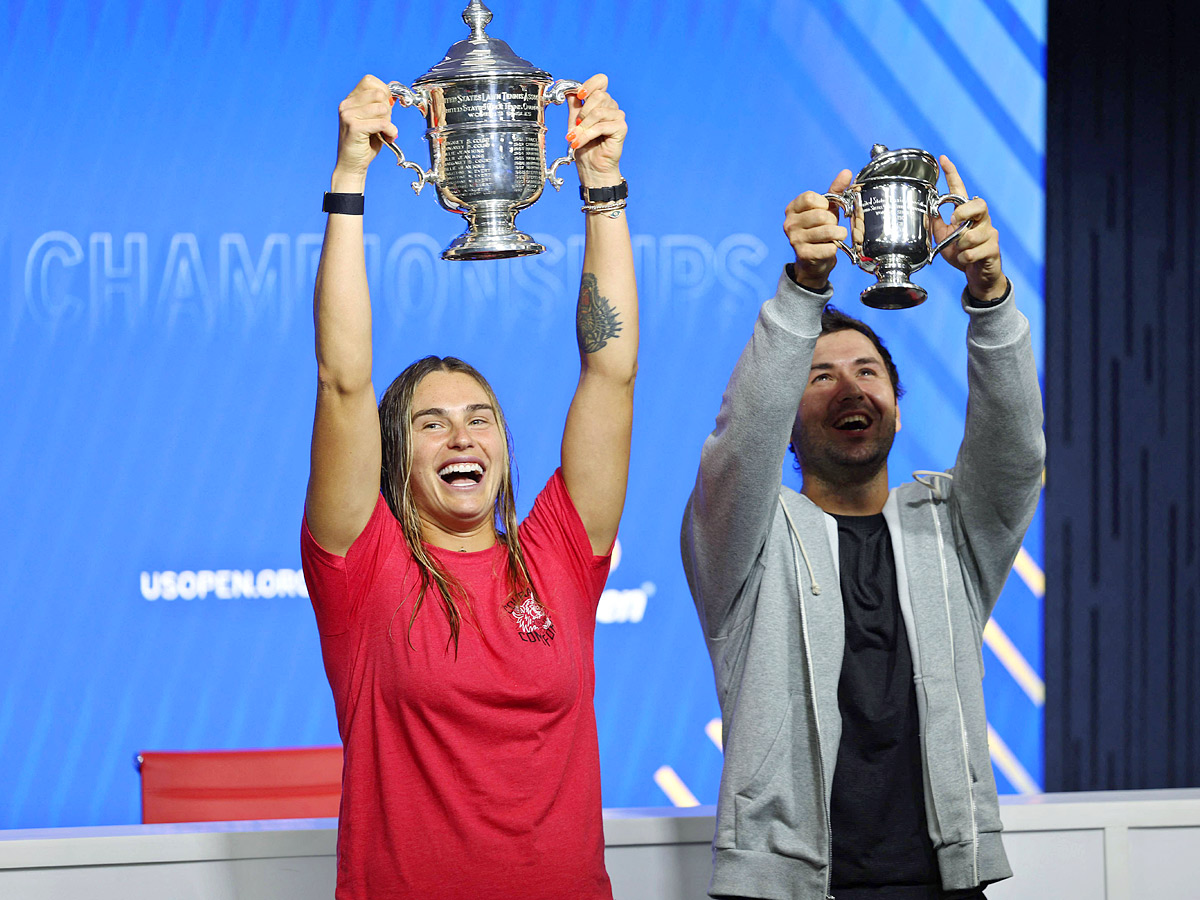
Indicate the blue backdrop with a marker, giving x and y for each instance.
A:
(159, 231)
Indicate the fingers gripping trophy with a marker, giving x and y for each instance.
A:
(894, 227)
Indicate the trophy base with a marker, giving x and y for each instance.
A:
(475, 245)
(893, 295)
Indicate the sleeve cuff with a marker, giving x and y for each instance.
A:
(996, 323)
(797, 308)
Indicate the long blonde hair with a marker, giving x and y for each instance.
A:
(395, 426)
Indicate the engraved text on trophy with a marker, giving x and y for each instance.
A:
(491, 144)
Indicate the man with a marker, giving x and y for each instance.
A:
(845, 622)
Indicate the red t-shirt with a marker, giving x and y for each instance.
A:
(476, 777)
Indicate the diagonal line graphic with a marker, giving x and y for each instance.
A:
(1026, 41)
(713, 730)
(1022, 263)
(1031, 573)
(672, 785)
(1006, 761)
(991, 107)
(952, 383)
(1016, 664)
(889, 86)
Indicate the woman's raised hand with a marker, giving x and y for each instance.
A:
(597, 133)
(365, 118)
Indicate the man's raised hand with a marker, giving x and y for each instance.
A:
(976, 252)
(811, 225)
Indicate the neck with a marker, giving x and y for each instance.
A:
(865, 499)
(478, 537)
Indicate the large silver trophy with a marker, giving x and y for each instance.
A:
(889, 209)
(487, 142)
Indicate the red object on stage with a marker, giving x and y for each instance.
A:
(228, 785)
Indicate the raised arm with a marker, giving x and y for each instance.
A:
(727, 516)
(595, 445)
(997, 476)
(343, 481)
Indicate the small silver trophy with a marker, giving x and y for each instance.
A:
(889, 208)
(487, 140)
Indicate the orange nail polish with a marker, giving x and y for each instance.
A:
(581, 93)
(391, 101)
(571, 137)
(578, 119)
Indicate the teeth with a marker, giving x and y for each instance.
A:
(461, 469)
(852, 420)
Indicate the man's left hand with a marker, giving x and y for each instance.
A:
(977, 250)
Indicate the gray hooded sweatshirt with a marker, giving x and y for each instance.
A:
(761, 562)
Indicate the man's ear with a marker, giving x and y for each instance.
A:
(897, 415)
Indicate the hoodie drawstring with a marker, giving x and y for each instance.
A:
(816, 588)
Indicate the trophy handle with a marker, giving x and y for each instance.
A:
(408, 97)
(558, 95)
(559, 90)
(847, 208)
(938, 203)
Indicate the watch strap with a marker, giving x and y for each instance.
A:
(607, 194)
(343, 204)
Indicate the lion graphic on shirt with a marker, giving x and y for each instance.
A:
(533, 624)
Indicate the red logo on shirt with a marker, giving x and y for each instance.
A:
(533, 625)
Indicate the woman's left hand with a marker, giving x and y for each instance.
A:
(597, 133)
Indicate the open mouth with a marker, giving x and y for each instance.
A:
(853, 422)
(459, 474)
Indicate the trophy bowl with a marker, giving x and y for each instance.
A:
(485, 108)
(889, 208)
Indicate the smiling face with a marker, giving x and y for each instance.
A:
(459, 455)
(848, 415)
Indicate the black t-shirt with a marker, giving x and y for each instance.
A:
(881, 845)
(880, 837)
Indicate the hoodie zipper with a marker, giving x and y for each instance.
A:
(816, 590)
(962, 722)
(820, 752)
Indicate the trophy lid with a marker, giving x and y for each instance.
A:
(480, 56)
(909, 163)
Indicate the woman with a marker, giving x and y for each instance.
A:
(457, 644)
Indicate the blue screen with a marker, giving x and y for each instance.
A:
(160, 226)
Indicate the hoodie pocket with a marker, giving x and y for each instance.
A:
(780, 809)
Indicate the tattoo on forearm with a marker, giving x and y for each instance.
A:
(596, 321)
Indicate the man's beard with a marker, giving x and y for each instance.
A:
(843, 465)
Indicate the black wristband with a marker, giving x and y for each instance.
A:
(608, 194)
(343, 204)
(975, 303)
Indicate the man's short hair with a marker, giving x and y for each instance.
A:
(833, 319)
